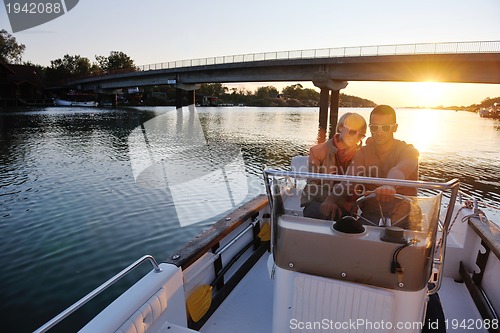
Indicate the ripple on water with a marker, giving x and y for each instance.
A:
(72, 213)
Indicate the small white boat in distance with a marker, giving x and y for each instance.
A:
(266, 268)
(62, 102)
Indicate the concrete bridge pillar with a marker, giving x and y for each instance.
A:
(191, 88)
(178, 98)
(192, 97)
(323, 113)
(334, 112)
(326, 84)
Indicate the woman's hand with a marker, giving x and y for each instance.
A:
(330, 208)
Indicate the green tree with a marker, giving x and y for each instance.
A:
(296, 95)
(115, 61)
(213, 89)
(354, 101)
(69, 67)
(293, 91)
(10, 50)
(266, 92)
(310, 94)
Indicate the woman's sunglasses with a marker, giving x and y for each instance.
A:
(354, 132)
(385, 128)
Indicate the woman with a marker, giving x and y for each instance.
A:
(332, 157)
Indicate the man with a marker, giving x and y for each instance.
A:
(383, 156)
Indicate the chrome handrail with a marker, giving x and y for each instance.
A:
(365, 180)
(452, 185)
(57, 319)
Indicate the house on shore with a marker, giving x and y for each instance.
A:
(21, 85)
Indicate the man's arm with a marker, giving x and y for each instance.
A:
(407, 165)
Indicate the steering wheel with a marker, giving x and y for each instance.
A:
(406, 214)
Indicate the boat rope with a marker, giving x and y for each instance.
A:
(479, 203)
(478, 213)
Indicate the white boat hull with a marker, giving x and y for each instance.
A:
(62, 102)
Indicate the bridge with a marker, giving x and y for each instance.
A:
(329, 69)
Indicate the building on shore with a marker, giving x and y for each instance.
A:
(21, 85)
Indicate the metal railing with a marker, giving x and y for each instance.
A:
(57, 319)
(339, 52)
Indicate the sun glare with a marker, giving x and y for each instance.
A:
(423, 132)
(429, 94)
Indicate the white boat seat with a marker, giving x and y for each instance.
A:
(154, 304)
(291, 201)
(142, 320)
(299, 163)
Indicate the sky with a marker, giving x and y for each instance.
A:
(155, 31)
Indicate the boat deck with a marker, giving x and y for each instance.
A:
(249, 308)
(458, 307)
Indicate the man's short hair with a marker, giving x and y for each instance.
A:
(384, 110)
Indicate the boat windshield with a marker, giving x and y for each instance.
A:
(413, 213)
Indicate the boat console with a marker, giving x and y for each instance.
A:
(352, 268)
(387, 257)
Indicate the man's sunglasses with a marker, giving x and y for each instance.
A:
(385, 128)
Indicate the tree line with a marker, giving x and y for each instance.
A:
(67, 67)
(293, 95)
(75, 66)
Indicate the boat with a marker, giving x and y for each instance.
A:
(62, 102)
(76, 98)
(210, 101)
(131, 96)
(266, 268)
(491, 112)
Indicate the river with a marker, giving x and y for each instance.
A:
(84, 192)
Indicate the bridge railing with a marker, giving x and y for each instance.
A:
(355, 51)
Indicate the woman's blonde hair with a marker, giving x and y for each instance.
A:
(352, 120)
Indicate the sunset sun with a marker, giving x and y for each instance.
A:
(429, 93)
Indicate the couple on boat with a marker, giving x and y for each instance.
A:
(382, 156)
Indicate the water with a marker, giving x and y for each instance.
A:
(73, 211)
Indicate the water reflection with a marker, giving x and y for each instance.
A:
(204, 178)
(73, 214)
